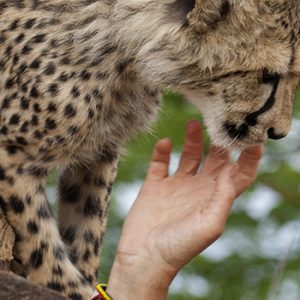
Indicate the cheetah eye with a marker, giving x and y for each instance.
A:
(269, 78)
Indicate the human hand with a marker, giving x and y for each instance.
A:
(176, 217)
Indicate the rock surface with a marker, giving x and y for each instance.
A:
(7, 240)
(12, 286)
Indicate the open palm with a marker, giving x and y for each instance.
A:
(176, 217)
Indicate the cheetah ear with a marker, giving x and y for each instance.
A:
(207, 13)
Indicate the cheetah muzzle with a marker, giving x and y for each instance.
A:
(79, 78)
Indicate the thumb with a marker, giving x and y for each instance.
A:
(225, 194)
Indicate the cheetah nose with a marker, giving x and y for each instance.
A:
(273, 135)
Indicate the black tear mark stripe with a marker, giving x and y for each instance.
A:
(240, 132)
(251, 119)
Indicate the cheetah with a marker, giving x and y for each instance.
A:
(80, 77)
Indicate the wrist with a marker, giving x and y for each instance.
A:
(133, 277)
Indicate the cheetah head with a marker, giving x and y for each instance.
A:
(246, 108)
(238, 61)
(249, 51)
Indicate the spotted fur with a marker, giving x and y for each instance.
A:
(80, 77)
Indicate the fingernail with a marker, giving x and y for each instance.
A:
(193, 126)
(165, 141)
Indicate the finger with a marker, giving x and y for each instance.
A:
(159, 164)
(248, 165)
(215, 159)
(192, 149)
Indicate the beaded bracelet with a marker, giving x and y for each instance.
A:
(100, 293)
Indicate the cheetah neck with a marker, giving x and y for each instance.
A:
(142, 47)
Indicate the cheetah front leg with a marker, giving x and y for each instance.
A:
(83, 202)
(38, 244)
